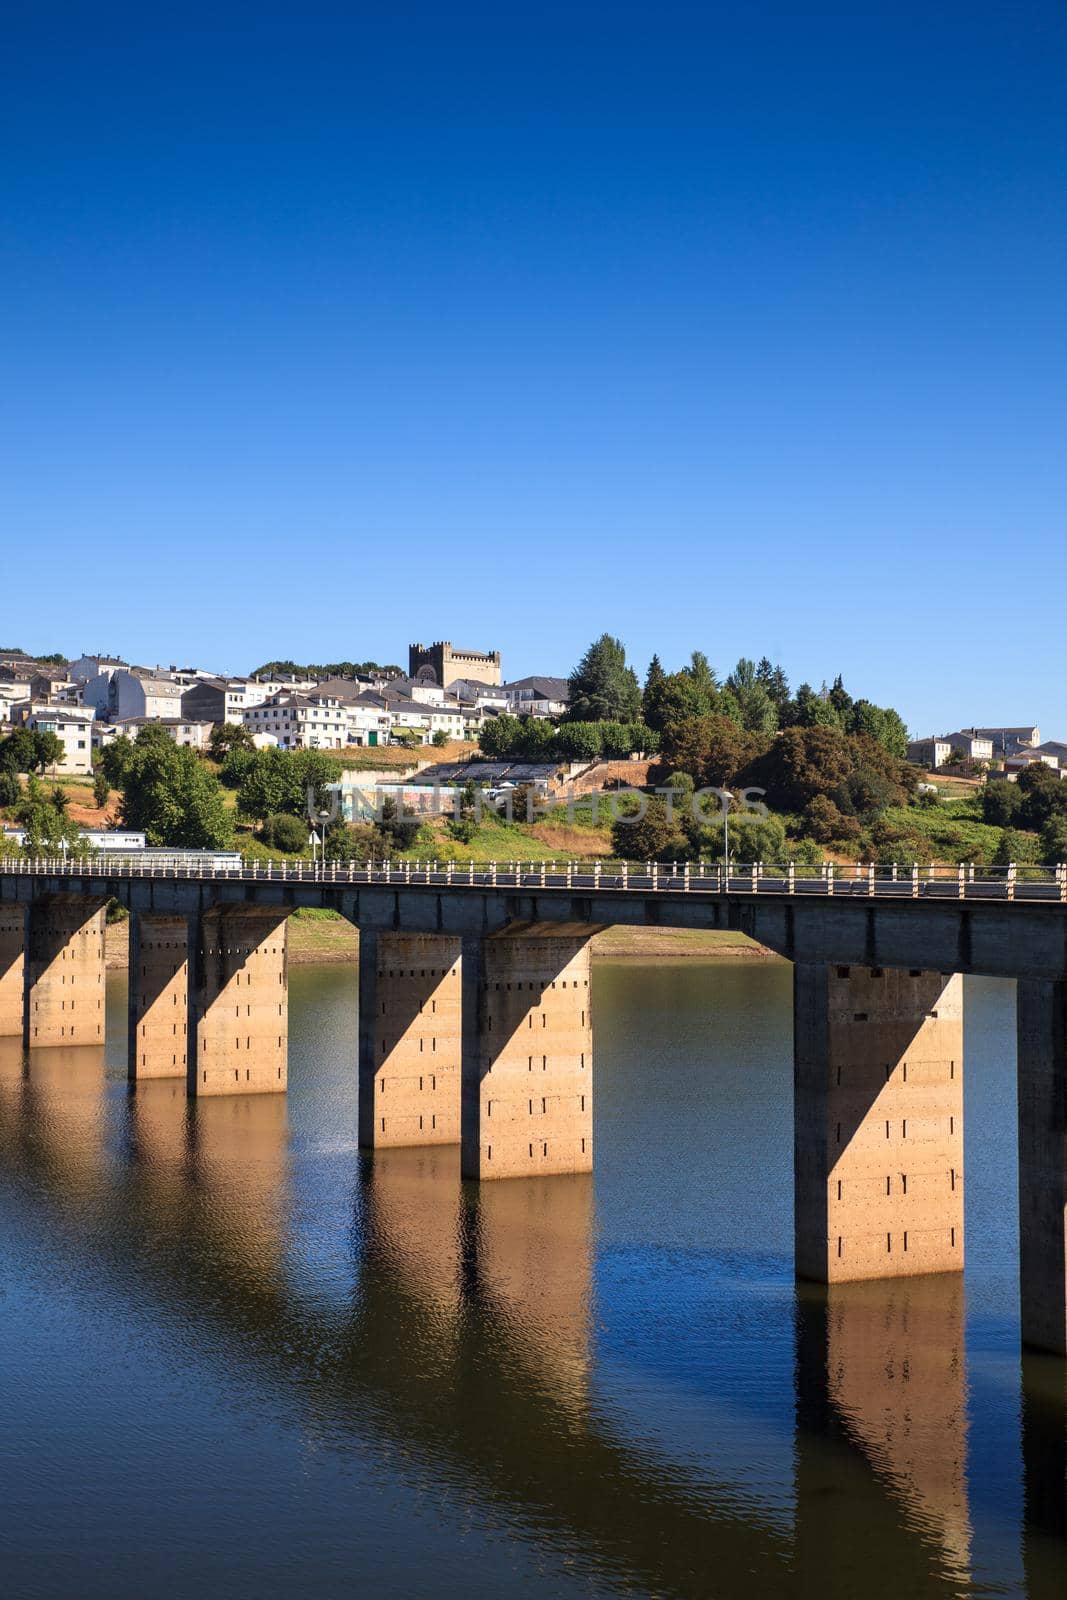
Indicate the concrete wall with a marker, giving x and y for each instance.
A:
(239, 1028)
(65, 996)
(527, 1057)
(878, 1122)
(12, 970)
(409, 1039)
(158, 996)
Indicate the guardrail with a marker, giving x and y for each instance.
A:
(869, 880)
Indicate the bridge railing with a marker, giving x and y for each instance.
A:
(914, 880)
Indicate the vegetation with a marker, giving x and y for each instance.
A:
(329, 669)
(167, 792)
(27, 751)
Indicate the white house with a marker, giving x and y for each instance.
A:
(72, 726)
(300, 721)
(970, 745)
(133, 692)
(194, 735)
(87, 667)
(932, 752)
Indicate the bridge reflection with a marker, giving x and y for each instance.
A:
(469, 1342)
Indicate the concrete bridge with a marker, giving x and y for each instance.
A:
(475, 1022)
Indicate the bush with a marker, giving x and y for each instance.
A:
(285, 832)
(1001, 801)
(10, 789)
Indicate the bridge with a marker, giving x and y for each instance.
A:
(476, 1027)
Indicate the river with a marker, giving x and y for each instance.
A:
(239, 1358)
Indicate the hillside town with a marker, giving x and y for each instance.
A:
(447, 694)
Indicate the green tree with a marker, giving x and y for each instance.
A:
(1001, 802)
(169, 794)
(101, 787)
(602, 687)
(701, 674)
(655, 679)
(756, 711)
(580, 741)
(657, 836)
(500, 737)
(1054, 841)
(48, 751)
(285, 832)
(229, 736)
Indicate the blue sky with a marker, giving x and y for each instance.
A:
(737, 328)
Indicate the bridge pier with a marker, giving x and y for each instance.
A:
(12, 971)
(1042, 1084)
(878, 1122)
(527, 1100)
(159, 996)
(238, 1038)
(409, 1039)
(65, 972)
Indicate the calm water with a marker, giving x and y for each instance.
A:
(239, 1359)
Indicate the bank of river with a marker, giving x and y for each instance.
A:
(331, 939)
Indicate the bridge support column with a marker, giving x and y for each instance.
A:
(878, 1122)
(527, 1099)
(238, 1039)
(65, 976)
(158, 996)
(409, 1039)
(12, 971)
(1042, 1077)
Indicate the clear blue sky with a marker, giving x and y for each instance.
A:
(737, 327)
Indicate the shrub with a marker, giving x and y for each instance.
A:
(285, 832)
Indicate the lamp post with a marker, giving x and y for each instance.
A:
(727, 802)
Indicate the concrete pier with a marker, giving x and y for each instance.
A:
(12, 971)
(878, 1122)
(65, 972)
(238, 1039)
(1042, 1080)
(158, 996)
(527, 1095)
(409, 1039)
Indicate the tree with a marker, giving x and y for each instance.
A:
(810, 710)
(500, 736)
(440, 738)
(18, 752)
(1054, 841)
(10, 788)
(657, 836)
(101, 787)
(278, 780)
(655, 678)
(579, 741)
(169, 794)
(756, 711)
(285, 832)
(227, 737)
(701, 674)
(602, 687)
(824, 822)
(680, 698)
(49, 751)
(1043, 795)
(774, 680)
(1001, 802)
(712, 749)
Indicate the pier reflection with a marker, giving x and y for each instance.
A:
(882, 1434)
(1044, 1474)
